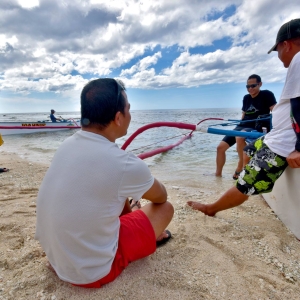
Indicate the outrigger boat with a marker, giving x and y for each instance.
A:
(284, 200)
(7, 128)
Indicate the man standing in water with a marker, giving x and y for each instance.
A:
(270, 155)
(84, 220)
(258, 102)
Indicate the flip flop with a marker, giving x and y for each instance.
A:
(3, 170)
(133, 204)
(164, 240)
(137, 203)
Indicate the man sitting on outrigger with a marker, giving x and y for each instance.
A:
(55, 119)
(256, 103)
(272, 153)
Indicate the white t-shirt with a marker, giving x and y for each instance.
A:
(80, 201)
(282, 138)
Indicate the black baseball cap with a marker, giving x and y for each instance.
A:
(287, 31)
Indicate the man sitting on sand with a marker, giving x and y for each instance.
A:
(256, 103)
(84, 220)
(270, 155)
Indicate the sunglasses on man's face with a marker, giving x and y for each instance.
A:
(248, 86)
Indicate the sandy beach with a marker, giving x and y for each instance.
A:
(242, 253)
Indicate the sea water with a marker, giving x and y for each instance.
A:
(188, 163)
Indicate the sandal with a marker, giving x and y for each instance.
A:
(165, 239)
(134, 203)
(236, 175)
(3, 170)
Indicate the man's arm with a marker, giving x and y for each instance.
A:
(294, 158)
(157, 193)
(271, 107)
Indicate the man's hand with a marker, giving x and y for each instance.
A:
(294, 159)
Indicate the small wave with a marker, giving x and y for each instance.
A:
(41, 150)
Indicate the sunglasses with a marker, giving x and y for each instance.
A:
(248, 86)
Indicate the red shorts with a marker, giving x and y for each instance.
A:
(136, 240)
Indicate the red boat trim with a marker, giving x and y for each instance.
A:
(39, 127)
(162, 149)
(157, 124)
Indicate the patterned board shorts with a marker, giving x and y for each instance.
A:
(263, 169)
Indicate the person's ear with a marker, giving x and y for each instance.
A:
(117, 118)
(287, 46)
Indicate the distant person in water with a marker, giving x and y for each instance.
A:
(256, 103)
(53, 118)
(269, 155)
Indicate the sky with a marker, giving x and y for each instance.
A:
(171, 54)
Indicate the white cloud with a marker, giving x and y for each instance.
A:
(42, 43)
(143, 64)
(28, 4)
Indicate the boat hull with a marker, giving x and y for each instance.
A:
(285, 199)
(8, 128)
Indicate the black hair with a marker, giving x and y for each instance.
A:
(254, 76)
(101, 99)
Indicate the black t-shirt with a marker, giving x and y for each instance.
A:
(254, 107)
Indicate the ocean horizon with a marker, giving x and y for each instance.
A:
(191, 160)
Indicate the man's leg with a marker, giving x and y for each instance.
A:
(246, 158)
(221, 157)
(233, 197)
(258, 177)
(240, 145)
(159, 215)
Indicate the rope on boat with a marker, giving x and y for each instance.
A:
(205, 120)
(166, 139)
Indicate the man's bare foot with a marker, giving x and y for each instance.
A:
(201, 207)
(212, 174)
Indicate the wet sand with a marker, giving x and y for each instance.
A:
(242, 253)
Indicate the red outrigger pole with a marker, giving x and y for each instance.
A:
(192, 127)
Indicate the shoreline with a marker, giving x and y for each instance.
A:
(242, 253)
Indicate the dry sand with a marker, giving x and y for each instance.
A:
(242, 253)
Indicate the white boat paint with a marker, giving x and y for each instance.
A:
(285, 199)
(7, 128)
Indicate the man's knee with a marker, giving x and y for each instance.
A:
(240, 139)
(222, 147)
(168, 209)
(159, 210)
